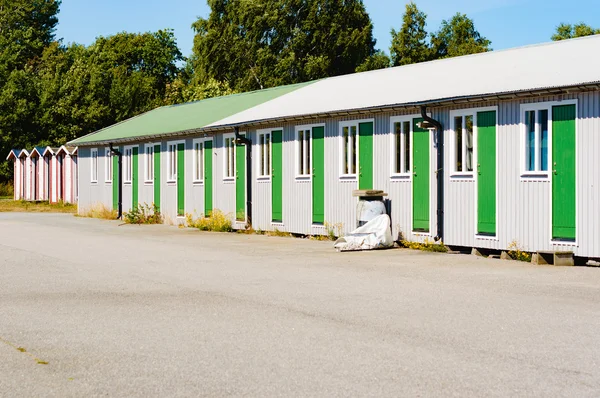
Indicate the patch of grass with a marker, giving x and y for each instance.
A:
(36, 207)
(143, 214)
(216, 222)
(516, 253)
(7, 190)
(334, 231)
(278, 233)
(426, 246)
(100, 211)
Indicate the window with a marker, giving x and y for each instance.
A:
(264, 155)
(463, 143)
(536, 140)
(349, 135)
(172, 162)
(401, 135)
(149, 163)
(198, 161)
(127, 163)
(108, 166)
(94, 157)
(303, 151)
(229, 166)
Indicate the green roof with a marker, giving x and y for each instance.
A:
(184, 117)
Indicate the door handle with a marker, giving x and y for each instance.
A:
(555, 172)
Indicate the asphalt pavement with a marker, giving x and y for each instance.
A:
(94, 308)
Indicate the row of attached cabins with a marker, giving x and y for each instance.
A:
(45, 174)
(493, 150)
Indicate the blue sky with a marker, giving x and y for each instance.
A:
(507, 23)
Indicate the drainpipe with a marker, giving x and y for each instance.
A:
(239, 139)
(439, 172)
(120, 165)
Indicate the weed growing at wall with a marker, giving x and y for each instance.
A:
(99, 210)
(516, 253)
(216, 222)
(426, 245)
(143, 214)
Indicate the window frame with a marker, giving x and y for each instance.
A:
(128, 164)
(342, 165)
(525, 174)
(226, 160)
(171, 177)
(94, 166)
(406, 174)
(196, 179)
(149, 162)
(464, 113)
(108, 166)
(259, 160)
(297, 129)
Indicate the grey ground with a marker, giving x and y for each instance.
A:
(161, 311)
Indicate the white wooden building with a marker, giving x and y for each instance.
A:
(506, 153)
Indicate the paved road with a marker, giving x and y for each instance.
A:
(160, 311)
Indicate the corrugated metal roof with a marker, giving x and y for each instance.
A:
(550, 65)
(183, 117)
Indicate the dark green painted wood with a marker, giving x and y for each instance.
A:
(486, 173)
(421, 199)
(180, 179)
(277, 175)
(365, 155)
(116, 180)
(318, 177)
(208, 178)
(240, 182)
(134, 177)
(563, 178)
(157, 176)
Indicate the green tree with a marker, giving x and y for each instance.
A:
(568, 31)
(379, 60)
(458, 37)
(409, 44)
(260, 43)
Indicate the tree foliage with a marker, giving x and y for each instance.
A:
(253, 44)
(454, 38)
(568, 31)
(409, 44)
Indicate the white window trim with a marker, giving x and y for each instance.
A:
(269, 132)
(128, 164)
(108, 165)
(226, 159)
(199, 181)
(393, 121)
(173, 180)
(304, 177)
(149, 181)
(350, 123)
(94, 168)
(463, 113)
(537, 106)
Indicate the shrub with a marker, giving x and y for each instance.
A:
(427, 246)
(143, 214)
(217, 221)
(7, 189)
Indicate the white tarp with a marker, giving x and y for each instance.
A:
(376, 234)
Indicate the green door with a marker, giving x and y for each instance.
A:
(116, 180)
(180, 179)
(318, 177)
(157, 176)
(421, 144)
(563, 178)
(208, 178)
(277, 175)
(365, 155)
(486, 173)
(240, 182)
(134, 178)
